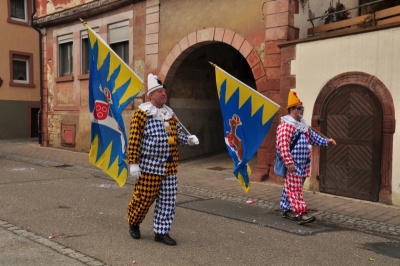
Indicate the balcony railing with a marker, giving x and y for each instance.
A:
(382, 17)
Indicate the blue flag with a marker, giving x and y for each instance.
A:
(247, 116)
(112, 86)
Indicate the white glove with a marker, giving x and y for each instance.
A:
(134, 171)
(193, 140)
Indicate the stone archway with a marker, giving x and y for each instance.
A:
(388, 125)
(190, 82)
(201, 37)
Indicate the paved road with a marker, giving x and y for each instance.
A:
(56, 209)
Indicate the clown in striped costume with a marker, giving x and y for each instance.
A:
(296, 160)
(153, 157)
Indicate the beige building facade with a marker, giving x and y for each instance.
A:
(19, 71)
(271, 46)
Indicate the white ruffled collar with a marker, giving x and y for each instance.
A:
(163, 113)
(300, 125)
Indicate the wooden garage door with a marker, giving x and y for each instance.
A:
(353, 117)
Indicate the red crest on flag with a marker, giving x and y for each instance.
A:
(100, 110)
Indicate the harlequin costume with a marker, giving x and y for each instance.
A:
(292, 194)
(153, 145)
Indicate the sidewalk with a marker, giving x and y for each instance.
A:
(212, 177)
(25, 248)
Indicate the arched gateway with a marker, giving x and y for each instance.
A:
(191, 86)
(203, 37)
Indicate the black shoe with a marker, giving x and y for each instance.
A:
(290, 215)
(306, 218)
(134, 231)
(165, 239)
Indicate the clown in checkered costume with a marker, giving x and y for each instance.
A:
(153, 157)
(296, 160)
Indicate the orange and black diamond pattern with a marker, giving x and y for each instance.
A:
(146, 190)
(135, 136)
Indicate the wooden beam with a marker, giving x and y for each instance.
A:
(337, 25)
(393, 11)
(389, 20)
(347, 23)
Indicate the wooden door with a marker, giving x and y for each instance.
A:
(352, 116)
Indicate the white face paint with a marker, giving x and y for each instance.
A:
(298, 112)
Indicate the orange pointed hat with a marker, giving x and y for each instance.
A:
(293, 100)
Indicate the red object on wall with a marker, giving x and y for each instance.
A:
(68, 135)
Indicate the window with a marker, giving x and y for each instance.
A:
(118, 38)
(20, 69)
(18, 11)
(84, 52)
(376, 6)
(65, 55)
(85, 64)
(122, 50)
(21, 66)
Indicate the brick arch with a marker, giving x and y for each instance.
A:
(388, 123)
(200, 38)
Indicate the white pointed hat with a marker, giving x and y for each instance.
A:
(153, 83)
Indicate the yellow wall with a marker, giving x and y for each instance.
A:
(18, 38)
(242, 17)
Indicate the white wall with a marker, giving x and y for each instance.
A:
(375, 53)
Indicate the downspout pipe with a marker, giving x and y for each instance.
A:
(41, 73)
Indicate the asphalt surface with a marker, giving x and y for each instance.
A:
(206, 185)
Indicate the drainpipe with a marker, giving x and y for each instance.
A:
(40, 71)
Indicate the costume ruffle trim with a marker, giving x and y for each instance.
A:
(163, 113)
(300, 125)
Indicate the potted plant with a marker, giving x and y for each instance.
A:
(336, 13)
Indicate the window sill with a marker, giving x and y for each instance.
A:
(64, 79)
(19, 22)
(83, 76)
(25, 85)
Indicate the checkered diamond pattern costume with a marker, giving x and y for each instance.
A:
(156, 152)
(292, 194)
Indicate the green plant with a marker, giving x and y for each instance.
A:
(342, 15)
(332, 16)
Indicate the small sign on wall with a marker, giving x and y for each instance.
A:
(68, 135)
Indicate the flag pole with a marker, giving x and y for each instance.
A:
(312, 128)
(181, 124)
(214, 65)
(83, 22)
(187, 131)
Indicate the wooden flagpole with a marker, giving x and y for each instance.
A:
(176, 117)
(214, 65)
